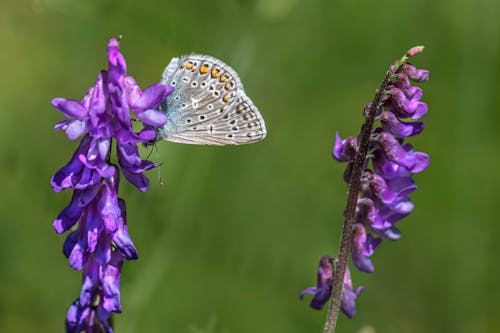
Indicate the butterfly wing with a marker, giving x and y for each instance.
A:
(208, 105)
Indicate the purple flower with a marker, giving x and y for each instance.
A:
(99, 241)
(383, 199)
(363, 246)
(385, 176)
(323, 289)
(349, 295)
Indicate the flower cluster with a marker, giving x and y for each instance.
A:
(386, 179)
(99, 241)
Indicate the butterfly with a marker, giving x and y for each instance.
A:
(208, 105)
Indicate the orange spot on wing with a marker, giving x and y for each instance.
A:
(215, 73)
(223, 78)
(189, 66)
(204, 69)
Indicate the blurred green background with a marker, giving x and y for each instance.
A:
(236, 233)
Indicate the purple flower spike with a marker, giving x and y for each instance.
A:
(100, 241)
(379, 173)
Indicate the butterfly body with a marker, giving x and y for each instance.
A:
(208, 105)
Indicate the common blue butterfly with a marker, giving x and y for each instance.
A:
(208, 105)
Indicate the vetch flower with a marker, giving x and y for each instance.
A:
(99, 242)
(385, 186)
(323, 289)
(379, 172)
(349, 295)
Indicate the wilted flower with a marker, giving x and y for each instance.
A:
(99, 240)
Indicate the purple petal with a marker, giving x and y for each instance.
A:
(349, 295)
(128, 155)
(417, 75)
(76, 256)
(69, 175)
(146, 135)
(119, 105)
(380, 189)
(132, 90)
(321, 298)
(421, 162)
(402, 81)
(152, 117)
(392, 233)
(417, 109)
(151, 97)
(62, 125)
(344, 150)
(405, 106)
(111, 285)
(368, 214)
(70, 108)
(308, 291)
(323, 289)
(137, 179)
(116, 61)
(348, 301)
(70, 215)
(363, 246)
(90, 282)
(94, 227)
(121, 237)
(383, 166)
(70, 243)
(108, 204)
(98, 97)
(394, 151)
(392, 124)
(403, 207)
(103, 317)
(413, 93)
(74, 129)
(103, 251)
(76, 317)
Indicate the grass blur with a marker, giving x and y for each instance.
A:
(234, 236)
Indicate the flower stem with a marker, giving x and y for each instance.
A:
(352, 200)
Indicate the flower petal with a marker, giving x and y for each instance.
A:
(70, 108)
(151, 97)
(121, 237)
(152, 117)
(344, 150)
(392, 124)
(111, 284)
(74, 129)
(394, 151)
